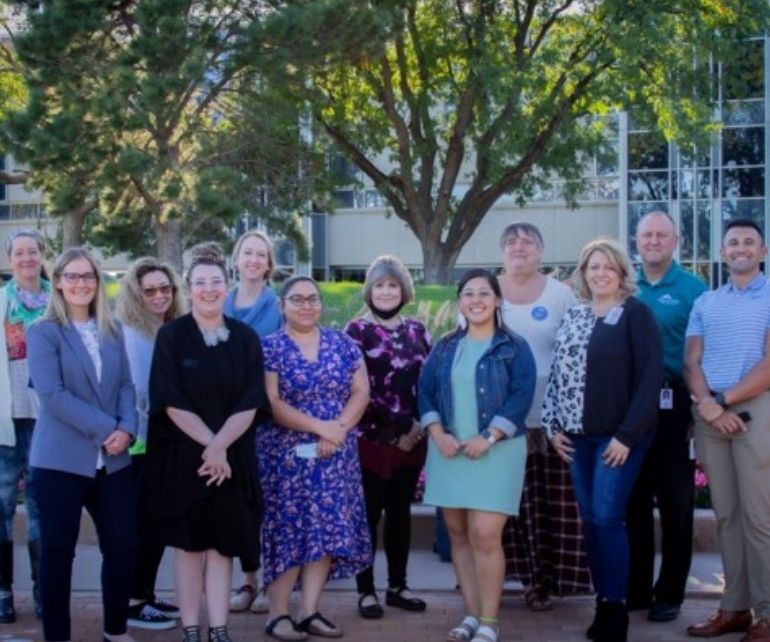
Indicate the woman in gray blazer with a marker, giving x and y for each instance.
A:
(79, 457)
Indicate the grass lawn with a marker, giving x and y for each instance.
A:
(434, 305)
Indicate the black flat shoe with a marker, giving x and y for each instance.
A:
(402, 598)
(371, 611)
(663, 612)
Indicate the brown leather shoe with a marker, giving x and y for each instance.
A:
(720, 623)
(760, 632)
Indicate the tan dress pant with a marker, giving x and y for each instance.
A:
(738, 468)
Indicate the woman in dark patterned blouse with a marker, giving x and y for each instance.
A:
(391, 450)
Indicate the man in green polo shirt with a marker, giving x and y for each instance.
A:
(668, 474)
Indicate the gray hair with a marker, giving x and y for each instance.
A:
(388, 266)
(521, 228)
(24, 233)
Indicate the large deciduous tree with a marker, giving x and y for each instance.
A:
(459, 102)
(129, 102)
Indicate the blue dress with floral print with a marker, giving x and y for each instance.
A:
(312, 507)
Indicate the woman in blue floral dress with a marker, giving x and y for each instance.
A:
(314, 524)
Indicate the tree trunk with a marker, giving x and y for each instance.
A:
(168, 237)
(72, 226)
(438, 262)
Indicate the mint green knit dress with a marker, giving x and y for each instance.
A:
(494, 481)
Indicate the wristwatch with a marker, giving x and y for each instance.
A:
(489, 435)
(720, 399)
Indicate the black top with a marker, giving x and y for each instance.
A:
(214, 383)
(624, 372)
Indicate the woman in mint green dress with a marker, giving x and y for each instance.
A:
(475, 392)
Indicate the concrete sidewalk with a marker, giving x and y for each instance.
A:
(433, 579)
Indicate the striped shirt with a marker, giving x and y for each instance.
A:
(733, 323)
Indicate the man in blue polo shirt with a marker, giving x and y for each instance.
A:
(668, 473)
(727, 369)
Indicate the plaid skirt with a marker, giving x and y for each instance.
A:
(544, 545)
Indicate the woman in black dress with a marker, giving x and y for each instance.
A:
(202, 491)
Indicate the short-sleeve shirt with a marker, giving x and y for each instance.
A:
(538, 322)
(733, 323)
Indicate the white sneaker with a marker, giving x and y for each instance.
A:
(242, 598)
(261, 603)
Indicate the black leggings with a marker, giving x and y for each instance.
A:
(394, 496)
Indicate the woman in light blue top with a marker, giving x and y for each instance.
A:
(256, 304)
(474, 395)
(253, 301)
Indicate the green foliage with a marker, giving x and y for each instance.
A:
(434, 305)
(498, 95)
(150, 110)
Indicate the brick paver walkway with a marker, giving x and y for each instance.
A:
(565, 623)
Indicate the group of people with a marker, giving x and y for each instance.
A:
(549, 422)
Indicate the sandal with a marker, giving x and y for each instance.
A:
(486, 633)
(536, 600)
(464, 631)
(292, 635)
(325, 628)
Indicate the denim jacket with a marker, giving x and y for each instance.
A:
(505, 383)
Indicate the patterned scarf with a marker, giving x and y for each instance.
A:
(24, 306)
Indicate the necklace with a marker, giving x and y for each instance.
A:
(214, 337)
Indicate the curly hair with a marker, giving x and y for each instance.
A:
(207, 253)
(130, 308)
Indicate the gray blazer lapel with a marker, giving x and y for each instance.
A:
(72, 337)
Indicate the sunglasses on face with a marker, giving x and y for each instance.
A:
(151, 292)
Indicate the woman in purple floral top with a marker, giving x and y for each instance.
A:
(390, 446)
(314, 524)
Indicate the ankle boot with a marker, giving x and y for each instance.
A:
(7, 610)
(191, 634)
(33, 546)
(615, 626)
(599, 616)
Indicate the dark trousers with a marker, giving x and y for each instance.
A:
(394, 496)
(110, 500)
(668, 476)
(148, 554)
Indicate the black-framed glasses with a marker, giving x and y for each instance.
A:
(297, 300)
(75, 277)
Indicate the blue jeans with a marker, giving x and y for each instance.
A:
(14, 462)
(602, 493)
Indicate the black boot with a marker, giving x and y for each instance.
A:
(34, 564)
(615, 625)
(7, 610)
(599, 616)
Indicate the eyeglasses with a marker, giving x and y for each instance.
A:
(151, 292)
(72, 278)
(467, 295)
(299, 301)
(213, 283)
